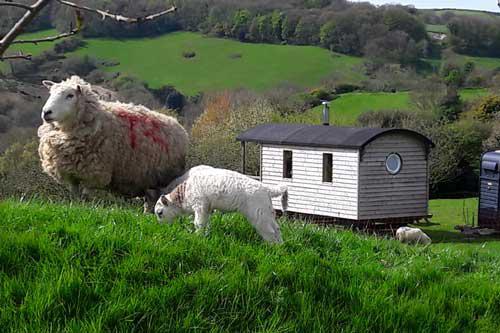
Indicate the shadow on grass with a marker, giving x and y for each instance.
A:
(443, 236)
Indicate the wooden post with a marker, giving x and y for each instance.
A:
(243, 157)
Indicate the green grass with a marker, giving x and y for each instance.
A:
(159, 61)
(345, 110)
(437, 28)
(34, 49)
(89, 269)
(465, 12)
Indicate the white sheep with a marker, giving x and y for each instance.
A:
(412, 235)
(94, 144)
(203, 189)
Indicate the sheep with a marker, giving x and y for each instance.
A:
(90, 143)
(412, 235)
(203, 189)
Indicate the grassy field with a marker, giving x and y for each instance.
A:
(437, 28)
(34, 49)
(464, 12)
(220, 63)
(78, 269)
(346, 109)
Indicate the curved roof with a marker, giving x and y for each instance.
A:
(321, 135)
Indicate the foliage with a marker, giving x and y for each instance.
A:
(226, 115)
(21, 174)
(337, 25)
(385, 118)
(488, 108)
(475, 35)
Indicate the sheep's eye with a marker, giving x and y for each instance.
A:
(70, 96)
(164, 200)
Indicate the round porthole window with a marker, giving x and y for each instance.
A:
(393, 163)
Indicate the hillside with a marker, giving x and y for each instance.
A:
(345, 110)
(93, 269)
(220, 63)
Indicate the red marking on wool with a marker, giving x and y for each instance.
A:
(148, 126)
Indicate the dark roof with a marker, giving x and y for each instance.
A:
(320, 135)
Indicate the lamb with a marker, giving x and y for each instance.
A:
(94, 144)
(203, 189)
(412, 235)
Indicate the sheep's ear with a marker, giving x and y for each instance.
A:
(47, 84)
(79, 89)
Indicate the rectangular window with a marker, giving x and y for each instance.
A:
(287, 164)
(327, 168)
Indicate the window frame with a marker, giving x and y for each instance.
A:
(327, 167)
(287, 164)
(400, 164)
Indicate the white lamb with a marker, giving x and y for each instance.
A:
(412, 235)
(203, 189)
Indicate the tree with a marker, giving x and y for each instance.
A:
(241, 22)
(394, 47)
(34, 10)
(326, 34)
(307, 31)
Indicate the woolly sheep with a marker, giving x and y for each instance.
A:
(412, 235)
(94, 144)
(203, 189)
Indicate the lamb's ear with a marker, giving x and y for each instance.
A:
(79, 89)
(47, 84)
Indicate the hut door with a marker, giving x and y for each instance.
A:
(489, 204)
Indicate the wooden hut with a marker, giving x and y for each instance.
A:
(346, 174)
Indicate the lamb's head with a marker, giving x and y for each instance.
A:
(166, 210)
(67, 99)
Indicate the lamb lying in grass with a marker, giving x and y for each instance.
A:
(203, 189)
(412, 236)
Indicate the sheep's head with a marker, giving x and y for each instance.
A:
(166, 210)
(64, 101)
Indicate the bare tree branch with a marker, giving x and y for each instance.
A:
(33, 10)
(46, 39)
(20, 25)
(15, 4)
(17, 56)
(71, 32)
(117, 17)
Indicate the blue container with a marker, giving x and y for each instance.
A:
(489, 191)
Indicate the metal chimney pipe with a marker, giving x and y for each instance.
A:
(326, 113)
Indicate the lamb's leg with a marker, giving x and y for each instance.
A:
(201, 218)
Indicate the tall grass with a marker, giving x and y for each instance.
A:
(90, 269)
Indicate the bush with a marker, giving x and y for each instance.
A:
(226, 115)
(346, 88)
(68, 45)
(21, 174)
(189, 54)
(80, 66)
(488, 108)
(385, 118)
(321, 94)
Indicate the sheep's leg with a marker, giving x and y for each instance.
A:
(74, 191)
(201, 218)
(150, 198)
